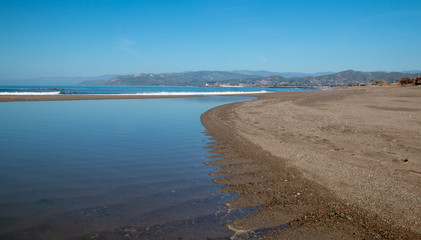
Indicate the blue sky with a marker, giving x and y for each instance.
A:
(89, 38)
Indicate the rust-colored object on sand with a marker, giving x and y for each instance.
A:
(414, 81)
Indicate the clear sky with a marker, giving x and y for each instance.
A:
(95, 37)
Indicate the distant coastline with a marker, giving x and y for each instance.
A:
(243, 78)
(250, 79)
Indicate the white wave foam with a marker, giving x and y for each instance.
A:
(144, 94)
(192, 93)
(29, 93)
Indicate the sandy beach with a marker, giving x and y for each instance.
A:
(335, 164)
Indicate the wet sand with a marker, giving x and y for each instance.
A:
(336, 164)
(20, 98)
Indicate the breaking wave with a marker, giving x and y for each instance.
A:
(29, 93)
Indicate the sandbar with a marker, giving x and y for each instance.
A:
(335, 164)
(21, 98)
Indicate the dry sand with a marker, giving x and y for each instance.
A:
(335, 164)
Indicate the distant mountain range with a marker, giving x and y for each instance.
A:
(172, 79)
(252, 78)
(223, 78)
(336, 79)
(282, 74)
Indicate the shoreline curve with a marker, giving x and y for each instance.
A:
(339, 164)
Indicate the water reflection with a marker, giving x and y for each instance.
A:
(102, 169)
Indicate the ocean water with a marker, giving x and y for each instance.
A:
(109, 169)
(137, 90)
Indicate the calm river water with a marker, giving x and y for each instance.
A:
(109, 169)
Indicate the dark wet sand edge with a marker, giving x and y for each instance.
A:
(310, 210)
